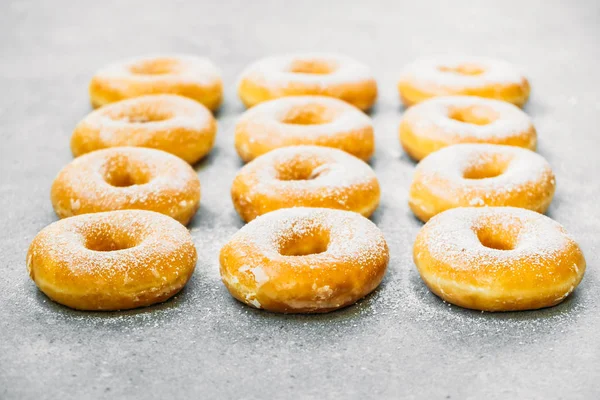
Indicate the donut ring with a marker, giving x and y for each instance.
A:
(305, 176)
(480, 175)
(443, 121)
(473, 76)
(174, 124)
(296, 120)
(308, 74)
(112, 260)
(185, 75)
(498, 259)
(304, 260)
(122, 178)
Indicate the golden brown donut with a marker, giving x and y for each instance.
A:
(296, 120)
(472, 76)
(123, 178)
(308, 74)
(305, 176)
(170, 123)
(185, 75)
(304, 260)
(481, 175)
(447, 120)
(112, 260)
(498, 259)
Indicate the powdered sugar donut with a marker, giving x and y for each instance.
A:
(308, 73)
(122, 178)
(171, 123)
(443, 121)
(185, 75)
(305, 176)
(474, 76)
(296, 120)
(112, 260)
(304, 260)
(498, 259)
(478, 175)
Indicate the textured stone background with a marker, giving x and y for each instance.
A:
(400, 341)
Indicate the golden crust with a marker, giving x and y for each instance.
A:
(112, 261)
(498, 259)
(122, 178)
(304, 120)
(184, 75)
(171, 123)
(471, 76)
(305, 176)
(304, 260)
(308, 74)
(444, 121)
(480, 175)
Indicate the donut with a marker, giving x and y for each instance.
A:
(443, 121)
(112, 260)
(305, 176)
(308, 74)
(185, 75)
(480, 175)
(175, 124)
(474, 76)
(304, 260)
(498, 259)
(296, 120)
(122, 178)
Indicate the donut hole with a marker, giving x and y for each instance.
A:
(476, 115)
(300, 170)
(104, 237)
(469, 69)
(156, 66)
(499, 236)
(485, 167)
(121, 172)
(304, 242)
(310, 114)
(315, 67)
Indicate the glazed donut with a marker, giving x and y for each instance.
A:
(122, 178)
(480, 175)
(305, 176)
(185, 75)
(112, 260)
(304, 260)
(171, 123)
(443, 121)
(312, 73)
(474, 76)
(318, 120)
(498, 259)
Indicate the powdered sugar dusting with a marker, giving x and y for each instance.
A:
(168, 184)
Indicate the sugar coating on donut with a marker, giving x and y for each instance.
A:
(339, 115)
(442, 71)
(126, 177)
(345, 259)
(112, 260)
(150, 112)
(295, 174)
(187, 68)
(498, 259)
(432, 118)
(278, 71)
(452, 236)
(521, 167)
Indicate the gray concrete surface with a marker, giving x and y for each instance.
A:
(399, 342)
